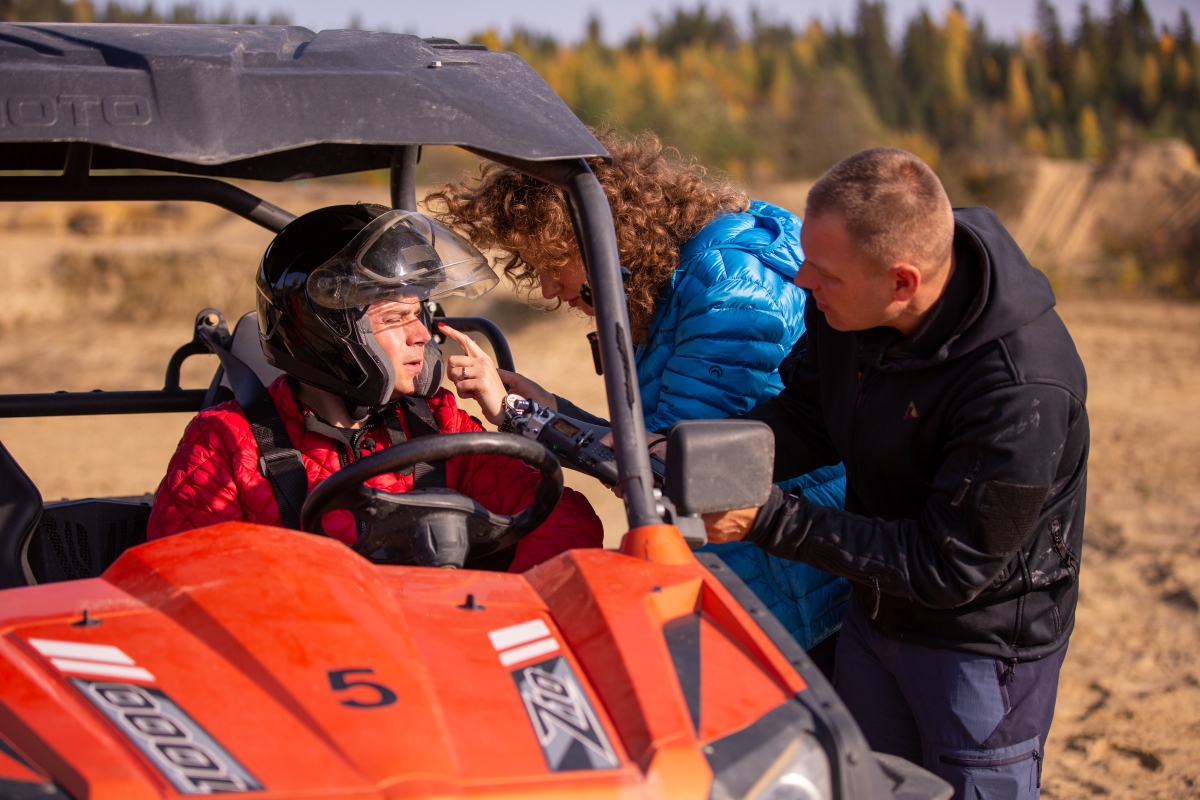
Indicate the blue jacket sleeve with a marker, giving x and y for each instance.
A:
(729, 340)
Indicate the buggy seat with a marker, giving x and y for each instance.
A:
(72, 539)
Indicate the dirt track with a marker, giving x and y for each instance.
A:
(1128, 719)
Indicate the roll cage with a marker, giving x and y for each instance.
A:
(281, 103)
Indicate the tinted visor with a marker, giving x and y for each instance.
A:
(400, 255)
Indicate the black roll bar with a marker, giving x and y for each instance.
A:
(597, 237)
(490, 330)
(78, 404)
(145, 187)
(404, 176)
(77, 183)
(171, 398)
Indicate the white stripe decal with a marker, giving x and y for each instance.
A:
(513, 635)
(105, 653)
(107, 670)
(517, 654)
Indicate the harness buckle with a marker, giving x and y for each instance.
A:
(265, 462)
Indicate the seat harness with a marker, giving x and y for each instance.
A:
(279, 460)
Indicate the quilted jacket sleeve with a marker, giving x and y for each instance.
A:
(201, 486)
(505, 486)
(729, 340)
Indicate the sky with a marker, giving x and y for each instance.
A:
(566, 19)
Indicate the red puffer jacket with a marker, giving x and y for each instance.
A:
(213, 477)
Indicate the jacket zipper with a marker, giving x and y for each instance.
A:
(997, 762)
(878, 598)
(1060, 547)
(859, 399)
(864, 378)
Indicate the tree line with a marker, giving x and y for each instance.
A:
(85, 11)
(778, 102)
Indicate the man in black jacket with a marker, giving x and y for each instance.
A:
(935, 367)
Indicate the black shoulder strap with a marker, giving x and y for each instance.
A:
(279, 461)
(426, 475)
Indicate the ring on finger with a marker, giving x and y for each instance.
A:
(464, 373)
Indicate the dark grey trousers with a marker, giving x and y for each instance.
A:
(978, 722)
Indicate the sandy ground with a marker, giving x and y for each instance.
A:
(1128, 718)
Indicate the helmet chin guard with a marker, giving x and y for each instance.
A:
(432, 371)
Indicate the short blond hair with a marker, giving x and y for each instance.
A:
(894, 206)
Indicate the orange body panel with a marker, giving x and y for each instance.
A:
(323, 675)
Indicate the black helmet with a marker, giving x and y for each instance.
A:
(325, 268)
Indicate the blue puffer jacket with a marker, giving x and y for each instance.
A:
(729, 316)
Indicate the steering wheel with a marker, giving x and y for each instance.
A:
(433, 527)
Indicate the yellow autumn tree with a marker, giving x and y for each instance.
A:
(1091, 139)
(1019, 102)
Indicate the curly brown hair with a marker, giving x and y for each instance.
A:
(659, 201)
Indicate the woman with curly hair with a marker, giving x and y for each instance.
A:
(712, 307)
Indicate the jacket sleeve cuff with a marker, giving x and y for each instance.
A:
(764, 523)
(777, 522)
(569, 409)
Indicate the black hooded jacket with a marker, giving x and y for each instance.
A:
(965, 447)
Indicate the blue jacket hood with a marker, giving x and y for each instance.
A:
(774, 238)
(726, 320)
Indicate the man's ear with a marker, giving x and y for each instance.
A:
(905, 280)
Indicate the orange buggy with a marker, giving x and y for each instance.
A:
(247, 659)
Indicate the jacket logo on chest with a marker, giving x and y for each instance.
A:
(911, 411)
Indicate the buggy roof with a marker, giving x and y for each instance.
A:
(266, 102)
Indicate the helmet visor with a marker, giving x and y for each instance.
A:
(401, 255)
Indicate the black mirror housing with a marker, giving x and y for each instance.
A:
(719, 465)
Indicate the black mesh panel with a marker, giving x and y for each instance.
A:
(81, 538)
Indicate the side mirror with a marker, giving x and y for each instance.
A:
(716, 465)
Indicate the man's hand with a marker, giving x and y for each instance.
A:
(729, 526)
(475, 376)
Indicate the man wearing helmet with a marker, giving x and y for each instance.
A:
(340, 310)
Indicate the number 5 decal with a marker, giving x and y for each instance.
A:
(338, 683)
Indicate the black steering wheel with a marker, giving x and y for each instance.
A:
(433, 527)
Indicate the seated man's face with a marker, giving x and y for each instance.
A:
(402, 336)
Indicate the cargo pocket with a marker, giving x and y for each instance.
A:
(1011, 773)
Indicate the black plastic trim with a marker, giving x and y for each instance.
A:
(683, 643)
(856, 775)
(27, 790)
(911, 782)
(739, 760)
